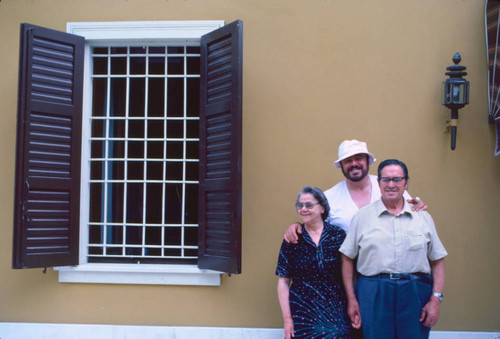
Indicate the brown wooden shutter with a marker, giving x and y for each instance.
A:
(219, 235)
(47, 191)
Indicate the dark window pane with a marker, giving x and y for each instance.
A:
(96, 170)
(173, 198)
(193, 97)
(136, 149)
(135, 170)
(192, 129)
(155, 150)
(156, 65)
(174, 170)
(175, 49)
(100, 66)
(191, 252)
(98, 128)
(156, 50)
(138, 65)
(191, 204)
(193, 65)
(114, 251)
(97, 149)
(95, 251)
(155, 129)
(100, 50)
(131, 251)
(118, 50)
(174, 149)
(192, 171)
(191, 236)
(134, 202)
(153, 203)
(118, 96)
(192, 150)
(115, 202)
(116, 170)
(136, 129)
(172, 236)
(137, 97)
(156, 97)
(193, 50)
(96, 202)
(175, 65)
(95, 234)
(153, 252)
(175, 128)
(116, 149)
(154, 170)
(99, 97)
(118, 65)
(137, 50)
(134, 237)
(175, 101)
(114, 235)
(172, 252)
(116, 128)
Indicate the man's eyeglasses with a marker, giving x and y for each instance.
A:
(308, 205)
(396, 180)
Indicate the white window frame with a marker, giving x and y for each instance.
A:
(158, 274)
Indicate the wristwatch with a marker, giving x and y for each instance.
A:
(440, 296)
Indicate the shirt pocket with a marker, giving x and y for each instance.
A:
(417, 240)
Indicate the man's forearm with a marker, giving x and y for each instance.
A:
(348, 276)
(438, 273)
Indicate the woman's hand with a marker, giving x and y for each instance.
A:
(283, 296)
(292, 233)
(418, 205)
(288, 326)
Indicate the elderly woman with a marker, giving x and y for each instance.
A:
(310, 294)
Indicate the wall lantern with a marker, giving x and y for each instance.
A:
(455, 94)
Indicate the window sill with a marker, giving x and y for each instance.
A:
(141, 274)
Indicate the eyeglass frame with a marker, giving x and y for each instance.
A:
(395, 180)
(309, 205)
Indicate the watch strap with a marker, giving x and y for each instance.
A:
(440, 296)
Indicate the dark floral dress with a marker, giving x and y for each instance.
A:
(317, 298)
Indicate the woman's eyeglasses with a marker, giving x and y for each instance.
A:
(308, 205)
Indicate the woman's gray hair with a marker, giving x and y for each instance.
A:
(318, 195)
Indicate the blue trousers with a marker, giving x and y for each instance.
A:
(391, 309)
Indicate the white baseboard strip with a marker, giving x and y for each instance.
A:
(85, 331)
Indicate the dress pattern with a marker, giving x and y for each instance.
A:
(317, 299)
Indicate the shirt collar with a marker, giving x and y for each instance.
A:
(380, 208)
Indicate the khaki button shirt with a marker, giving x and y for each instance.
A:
(388, 243)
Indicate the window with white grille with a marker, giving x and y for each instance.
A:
(143, 152)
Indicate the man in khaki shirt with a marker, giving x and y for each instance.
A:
(400, 260)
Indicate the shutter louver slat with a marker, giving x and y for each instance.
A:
(48, 216)
(57, 60)
(50, 148)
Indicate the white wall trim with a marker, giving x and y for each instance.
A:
(144, 274)
(138, 30)
(84, 331)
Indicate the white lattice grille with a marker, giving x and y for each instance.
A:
(144, 153)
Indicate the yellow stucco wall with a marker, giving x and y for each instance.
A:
(316, 72)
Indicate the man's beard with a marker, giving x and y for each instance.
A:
(364, 173)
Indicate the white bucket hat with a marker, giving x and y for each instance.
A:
(348, 148)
